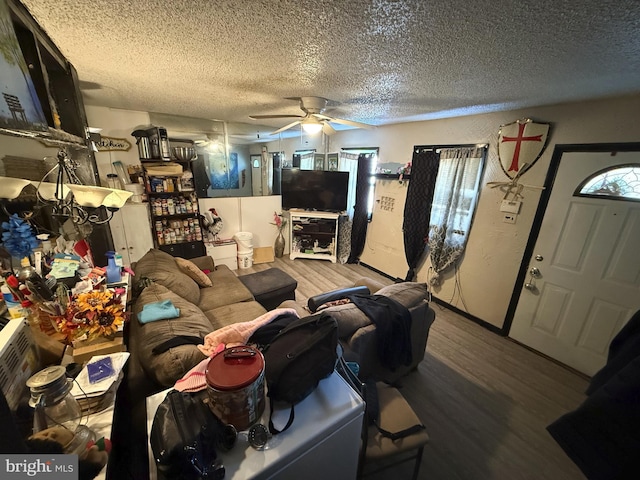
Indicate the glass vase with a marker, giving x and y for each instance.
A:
(278, 247)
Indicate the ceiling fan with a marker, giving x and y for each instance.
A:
(313, 121)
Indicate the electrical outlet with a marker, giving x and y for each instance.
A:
(509, 218)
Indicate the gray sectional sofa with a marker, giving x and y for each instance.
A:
(227, 300)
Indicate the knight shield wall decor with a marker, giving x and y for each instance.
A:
(520, 144)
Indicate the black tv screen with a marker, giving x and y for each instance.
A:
(314, 190)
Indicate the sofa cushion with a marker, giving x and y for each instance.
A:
(227, 289)
(349, 317)
(190, 268)
(163, 269)
(167, 367)
(234, 313)
(408, 294)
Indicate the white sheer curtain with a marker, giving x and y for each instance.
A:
(348, 162)
(454, 202)
(307, 160)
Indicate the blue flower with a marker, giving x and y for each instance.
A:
(18, 237)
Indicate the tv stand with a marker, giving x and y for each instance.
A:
(314, 235)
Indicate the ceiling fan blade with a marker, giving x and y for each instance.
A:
(327, 129)
(259, 117)
(351, 123)
(286, 127)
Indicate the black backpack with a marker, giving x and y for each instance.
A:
(302, 354)
(186, 436)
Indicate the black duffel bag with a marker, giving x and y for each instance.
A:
(185, 437)
(302, 354)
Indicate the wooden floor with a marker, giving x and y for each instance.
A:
(485, 400)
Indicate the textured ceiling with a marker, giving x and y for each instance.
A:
(378, 61)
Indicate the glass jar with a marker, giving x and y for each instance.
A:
(55, 406)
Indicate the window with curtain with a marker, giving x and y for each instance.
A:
(304, 159)
(348, 162)
(454, 201)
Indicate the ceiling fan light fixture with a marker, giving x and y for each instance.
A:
(311, 126)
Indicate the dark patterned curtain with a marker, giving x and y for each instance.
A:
(360, 213)
(417, 209)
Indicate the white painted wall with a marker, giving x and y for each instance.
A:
(116, 123)
(494, 253)
(247, 214)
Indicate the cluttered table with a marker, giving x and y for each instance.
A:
(97, 399)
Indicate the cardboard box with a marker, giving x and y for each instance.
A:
(83, 351)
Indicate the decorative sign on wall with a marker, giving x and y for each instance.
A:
(520, 144)
(109, 144)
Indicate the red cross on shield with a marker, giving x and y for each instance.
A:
(520, 144)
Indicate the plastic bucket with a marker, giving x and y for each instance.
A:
(244, 241)
(245, 260)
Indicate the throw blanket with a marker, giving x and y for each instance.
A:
(229, 336)
(393, 328)
(195, 379)
(158, 311)
(240, 332)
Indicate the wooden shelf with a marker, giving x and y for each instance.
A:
(391, 176)
(182, 192)
(177, 215)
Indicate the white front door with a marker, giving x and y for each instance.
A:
(588, 261)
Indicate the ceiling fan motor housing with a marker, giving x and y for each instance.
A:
(313, 104)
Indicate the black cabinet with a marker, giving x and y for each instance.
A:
(185, 250)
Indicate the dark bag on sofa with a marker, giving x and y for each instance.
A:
(185, 436)
(302, 354)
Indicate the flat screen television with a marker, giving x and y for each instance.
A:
(314, 190)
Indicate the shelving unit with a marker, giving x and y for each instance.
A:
(175, 219)
(314, 235)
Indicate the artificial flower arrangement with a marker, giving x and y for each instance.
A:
(404, 170)
(18, 237)
(93, 314)
(279, 221)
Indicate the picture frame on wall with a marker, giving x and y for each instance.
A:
(20, 107)
(332, 162)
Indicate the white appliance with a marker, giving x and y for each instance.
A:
(322, 443)
(18, 360)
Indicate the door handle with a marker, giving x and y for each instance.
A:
(534, 272)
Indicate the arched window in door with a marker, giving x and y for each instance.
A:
(621, 182)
